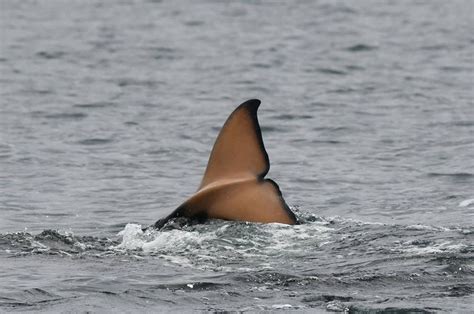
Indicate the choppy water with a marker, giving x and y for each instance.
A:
(108, 112)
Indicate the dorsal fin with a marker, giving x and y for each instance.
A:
(238, 151)
(233, 186)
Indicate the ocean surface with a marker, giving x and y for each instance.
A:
(108, 113)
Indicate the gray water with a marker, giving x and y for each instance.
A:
(108, 113)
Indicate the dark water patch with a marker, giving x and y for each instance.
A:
(167, 50)
(360, 48)
(455, 175)
(354, 68)
(164, 53)
(160, 56)
(455, 69)
(39, 91)
(464, 123)
(150, 105)
(327, 298)
(95, 141)
(421, 242)
(67, 116)
(331, 128)
(332, 9)
(450, 197)
(272, 129)
(373, 114)
(6, 149)
(29, 298)
(50, 54)
(262, 65)
(459, 290)
(194, 23)
(434, 47)
(331, 71)
(390, 310)
(38, 113)
(332, 142)
(245, 82)
(131, 123)
(292, 117)
(124, 82)
(93, 105)
(342, 90)
(54, 214)
(159, 151)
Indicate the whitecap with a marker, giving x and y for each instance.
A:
(467, 202)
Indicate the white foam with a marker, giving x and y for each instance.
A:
(134, 238)
(282, 306)
(207, 246)
(467, 202)
(285, 237)
(425, 227)
(435, 248)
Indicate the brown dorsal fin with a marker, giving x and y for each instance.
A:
(233, 187)
(238, 152)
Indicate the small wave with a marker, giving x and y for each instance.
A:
(343, 90)
(29, 298)
(133, 237)
(391, 309)
(51, 242)
(360, 47)
(466, 203)
(464, 123)
(444, 247)
(94, 105)
(292, 117)
(164, 53)
(50, 54)
(268, 129)
(426, 227)
(331, 71)
(95, 141)
(194, 23)
(331, 128)
(462, 175)
(124, 82)
(67, 116)
(327, 142)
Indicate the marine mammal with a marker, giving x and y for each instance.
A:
(234, 185)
